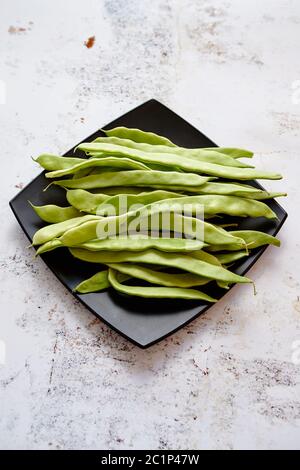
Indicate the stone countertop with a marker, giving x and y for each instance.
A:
(230, 379)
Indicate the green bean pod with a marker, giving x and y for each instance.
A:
(88, 202)
(231, 257)
(97, 282)
(204, 256)
(222, 189)
(116, 190)
(157, 292)
(177, 161)
(175, 260)
(232, 151)
(178, 223)
(252, 238)
(140, 243)
(210, 205)
(52, 214)
(54, 162)
(237, 189)
(49, 232)
(49, 246)
(120, 163)
(198, 154)
(124, 202)
(137, 135)
(84, 172)
(166, 179)
(161, 278)
(84, 200)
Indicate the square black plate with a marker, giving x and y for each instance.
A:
(142, 321)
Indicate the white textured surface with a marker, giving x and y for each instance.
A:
(227, 380)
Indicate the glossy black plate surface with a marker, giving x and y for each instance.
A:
(142, 321)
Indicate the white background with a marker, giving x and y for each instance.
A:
(226, 381)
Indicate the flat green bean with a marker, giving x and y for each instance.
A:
(126, 201)
(194, 227)
(237, 189)
(49, 246)
(83, 172)
(229, 205)
(97, 282)
(120, 163)
(84, 200)
(157, 292)
(226, 258)
(52, 214)
(137, 135)
(204, 256)
(54, 162)
(135, 178)
(252, 238)
(140, 243)
(208, 258)
(177, 161)
(49, 232)
(175, 260)
(116, 190)
(232, 151)
(197, 154)
(161, 278)
(222, 189)
(210, 204)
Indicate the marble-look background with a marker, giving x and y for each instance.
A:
(229, 380)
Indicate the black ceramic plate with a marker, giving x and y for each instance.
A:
(142, 321)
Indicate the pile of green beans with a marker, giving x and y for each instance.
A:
(154, 176)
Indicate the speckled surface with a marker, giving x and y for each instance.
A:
(230, 379)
